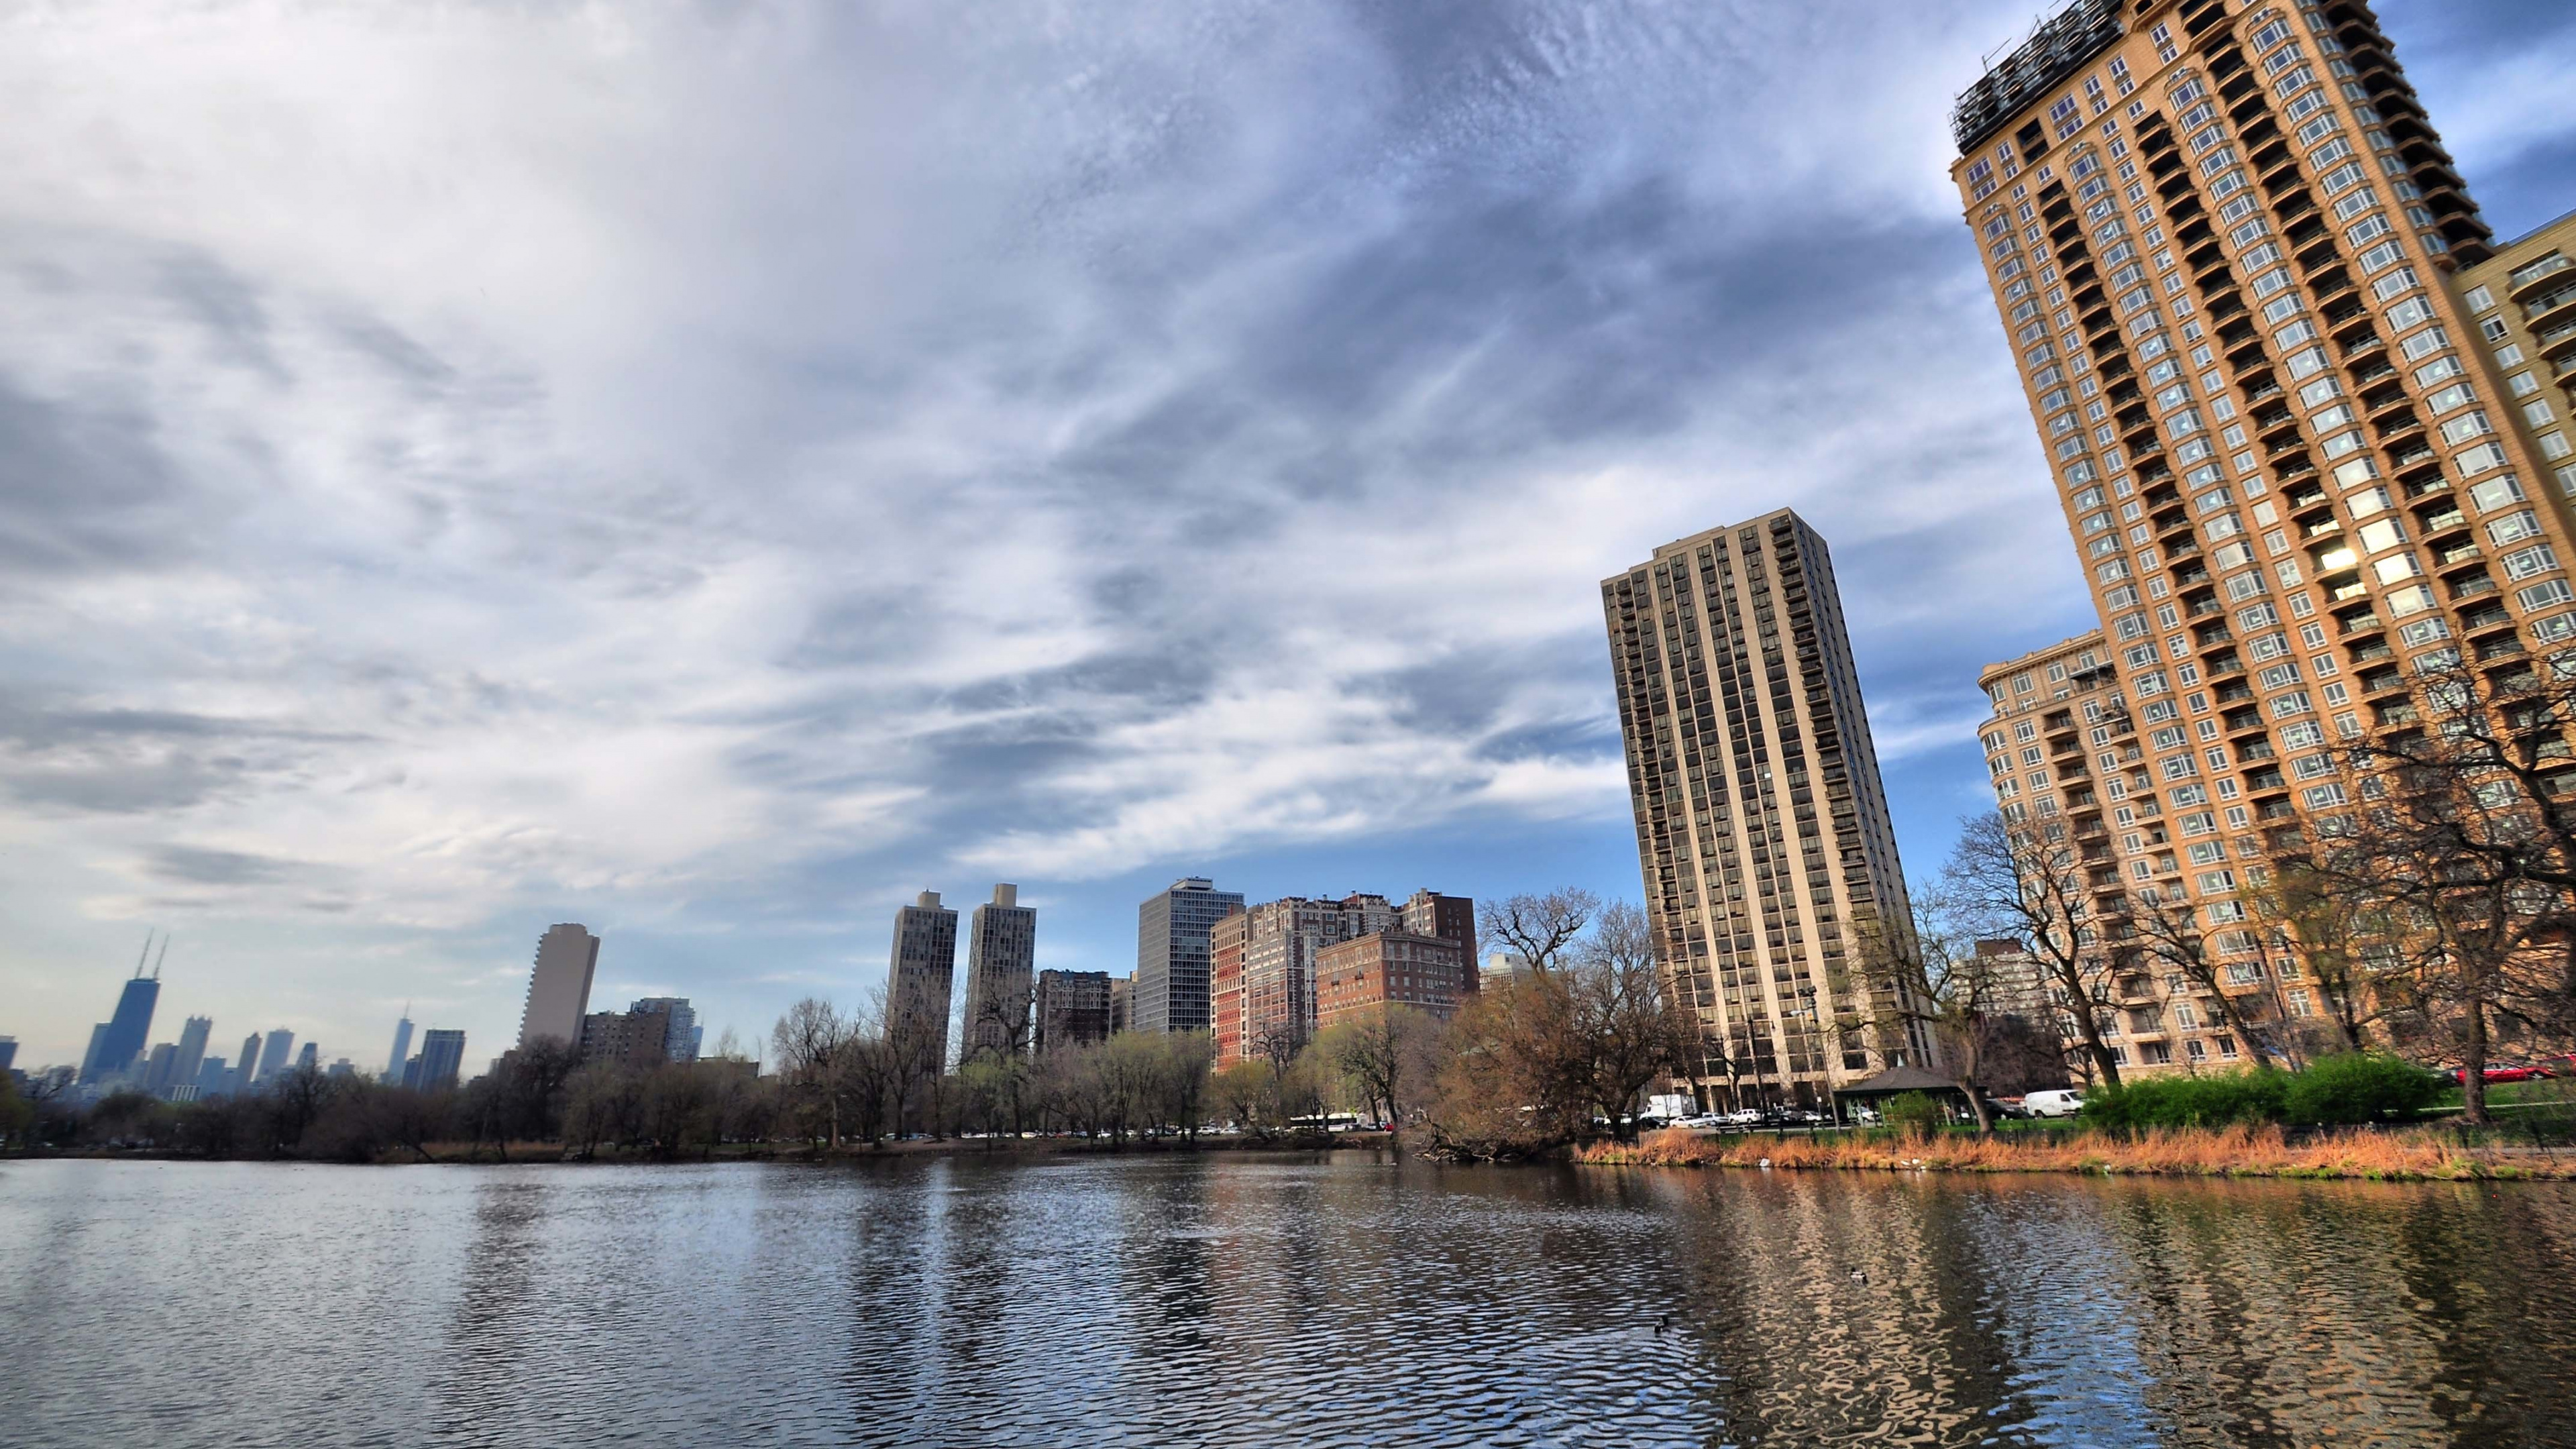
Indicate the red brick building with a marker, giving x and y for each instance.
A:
(1225, 984)
(1398, 968)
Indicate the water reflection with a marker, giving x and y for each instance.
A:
(1241, 1299)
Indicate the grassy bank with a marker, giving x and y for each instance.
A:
(2383, 1156)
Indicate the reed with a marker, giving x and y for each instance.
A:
(2234, 1151)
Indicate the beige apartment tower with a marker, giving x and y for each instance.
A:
(2236, 267)
(559, 985)
(921, 980)
(1762, 828)
(1001, 975)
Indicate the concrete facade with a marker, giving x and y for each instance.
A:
(559, 985)
(1762, 828)
(1170, 987)
(921, 979)
(1001, 966)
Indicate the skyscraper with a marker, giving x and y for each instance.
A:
(559, 985)
(245, 1071)
(272, 1058)
(1170, 988)
(8, 1052)
(1001, 961)
(442, 1058)
(2219, 237)
(921, 979)
(1762, 828)
(192, 1050)
(402, 1048)
(114, 1048)
(681, 1042)
(310, 1058)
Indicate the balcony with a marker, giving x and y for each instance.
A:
(2552, 310)
(2526, 281)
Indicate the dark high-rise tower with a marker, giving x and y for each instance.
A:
(402, 1048)
(441, 1060)
(114, 1048)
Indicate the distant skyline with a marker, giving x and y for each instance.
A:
(714, 475)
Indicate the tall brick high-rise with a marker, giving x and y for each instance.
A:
(1762, 828)
(2295, 462)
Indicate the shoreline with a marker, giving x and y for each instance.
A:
(554, 1154)
(2357, 1154)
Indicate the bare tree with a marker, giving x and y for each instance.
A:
(1627, 1029)
(810, 1043)
(2347, 938)
(1386, 1053)
(1542, 928)
(2170, 935)
(2014, 883)
(1945, 985)
(1183, 1081)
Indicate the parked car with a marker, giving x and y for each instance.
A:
(1867, 1116)
(2014, 1107)
(1702, 1122)
(1741, 1117)
(2064, 1102)
(2494, 1075)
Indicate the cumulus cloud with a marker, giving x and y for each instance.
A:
(709, 471)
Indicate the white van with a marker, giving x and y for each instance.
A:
(2065, 1103)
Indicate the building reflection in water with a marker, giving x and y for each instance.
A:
(1242, 1298)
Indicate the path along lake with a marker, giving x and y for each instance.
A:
(1238, 1299)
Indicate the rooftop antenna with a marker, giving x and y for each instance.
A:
(164, 956)
(147, 951)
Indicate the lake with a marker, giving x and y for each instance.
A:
(1238, 1299)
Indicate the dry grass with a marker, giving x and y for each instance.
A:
(2398, 1156)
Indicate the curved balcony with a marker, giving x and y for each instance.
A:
(2560, 311)
(2531, 280)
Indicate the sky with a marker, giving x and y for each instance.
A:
(711, 471)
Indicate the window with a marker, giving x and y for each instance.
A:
(2480, 299)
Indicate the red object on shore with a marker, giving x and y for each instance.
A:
(2494, 1075)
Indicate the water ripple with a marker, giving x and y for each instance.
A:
(1241, 1300)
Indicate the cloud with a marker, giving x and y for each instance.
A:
(711, 472)
(199, 865)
